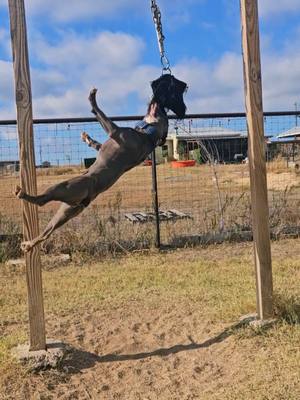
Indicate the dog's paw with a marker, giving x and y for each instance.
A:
(92, 95)
(93, 91)
(18, 192)
(26, 246)
(84, 137)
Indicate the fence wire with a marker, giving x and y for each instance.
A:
(213, 196)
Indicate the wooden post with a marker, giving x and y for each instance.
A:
(27, 171)
(256, 154)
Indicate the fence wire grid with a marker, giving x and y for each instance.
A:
(208, 198)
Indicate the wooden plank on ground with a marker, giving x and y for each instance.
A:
(168, 215)
(131, 217)
(180, 214)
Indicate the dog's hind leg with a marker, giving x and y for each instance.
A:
(110, 128)
(63, 214)
(73, 192)
(39, 200)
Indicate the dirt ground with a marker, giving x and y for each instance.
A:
(183, 186)
(158, 326)
(137, 352)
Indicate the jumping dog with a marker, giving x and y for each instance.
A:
(124, 149)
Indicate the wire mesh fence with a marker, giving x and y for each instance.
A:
(210, 197)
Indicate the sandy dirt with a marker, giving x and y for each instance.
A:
(138, 353)
(147, 348)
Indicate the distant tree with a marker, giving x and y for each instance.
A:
(181, 150)
(198, 156)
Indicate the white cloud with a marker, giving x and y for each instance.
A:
(5, 43)
(281, 81)
(4, 39)
(63, 73)
(76, 10)
(213, 87)
(6, 81)
(107, 49)
(228, 72)
(48, 81)
(108, 60)
(63, 11)
(271, 7)
(70, 103)
(219, 87)
(113, 95)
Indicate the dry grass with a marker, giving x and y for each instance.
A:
(175, 185)
(56, 171)
(214, 206)
(155, 326)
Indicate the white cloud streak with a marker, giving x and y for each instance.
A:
(269, 8)
(108, 49)
(64, 11)
(6, 81)
(213, 87)
(63, 73)
(76, 10)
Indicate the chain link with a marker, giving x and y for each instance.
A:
(156, 15)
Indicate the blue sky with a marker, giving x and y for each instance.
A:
(75, 45)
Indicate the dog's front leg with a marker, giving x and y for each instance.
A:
(110, 128)
(90, 141)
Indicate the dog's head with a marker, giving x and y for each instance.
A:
(157, 116)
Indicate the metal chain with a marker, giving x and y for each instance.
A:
(156, 15)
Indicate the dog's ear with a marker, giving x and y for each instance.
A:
(168, 92)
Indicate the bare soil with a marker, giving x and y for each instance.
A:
(158, 326)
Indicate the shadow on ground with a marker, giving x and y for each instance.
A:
(77, 360)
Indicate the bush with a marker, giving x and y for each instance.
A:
(10, 245)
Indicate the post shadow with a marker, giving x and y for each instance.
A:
(78, 360)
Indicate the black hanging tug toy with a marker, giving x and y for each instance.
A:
(167, 90)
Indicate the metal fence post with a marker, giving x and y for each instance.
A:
(155, 200)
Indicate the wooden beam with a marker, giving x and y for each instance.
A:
(256, 155)
(27, 171)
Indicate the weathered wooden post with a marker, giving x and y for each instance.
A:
(256, 155)
(27, 171)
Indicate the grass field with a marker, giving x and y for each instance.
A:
(156, 325)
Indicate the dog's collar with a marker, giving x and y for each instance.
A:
(147, 129)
